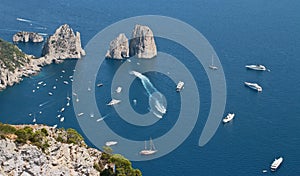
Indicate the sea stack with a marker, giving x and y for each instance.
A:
(142, 44)
(63, 44)
(24, 36)
(118, 48)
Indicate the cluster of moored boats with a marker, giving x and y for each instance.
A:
(257, 67)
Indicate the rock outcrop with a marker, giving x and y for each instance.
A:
(58, 159)
(14, 64)
(24, 36)
(63, 44)
(118, 48)
(43, 150)
(142, 44)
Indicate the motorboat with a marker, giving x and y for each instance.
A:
(228, 118)
(254, 86)
(111, 143)
(276, 163)
(113, 102)
(179, 86)
(256, 67)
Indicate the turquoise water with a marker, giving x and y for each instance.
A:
(266, 124)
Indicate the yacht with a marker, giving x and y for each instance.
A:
(99, 85)
(228, 118)
(256, 67)
(254, 86)
(80, 114)
(149, 151)
(119, 89)
(276, 163)
(179, 86)
(113, 102)
(111, 143)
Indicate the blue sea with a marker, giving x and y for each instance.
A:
(266, 124)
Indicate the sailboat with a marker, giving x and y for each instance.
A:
(149, 151)
(212, 66)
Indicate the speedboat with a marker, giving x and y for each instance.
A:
(254, 86)
(113, 102)
(111, 143)
(276, 163)
(179, 86)
(228, 118)
(256, 67)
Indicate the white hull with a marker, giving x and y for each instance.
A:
(228, 118)
(113, 102)
(276, 163)
(254, 86)
(256, 67)
(179, 86)
(111, 143)
(148, 152)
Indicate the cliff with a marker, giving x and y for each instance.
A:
(118, 48)
(142, 43)
(14, 64)
(24, 36)
(42, 150)
(63, 44)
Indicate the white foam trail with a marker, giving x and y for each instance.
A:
(156, 99)
(42, 104)
(24, 20)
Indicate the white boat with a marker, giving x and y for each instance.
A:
(228, 118)
(80, 114)
(50, 93)
(149, 151)
(100, 119)
(276, 163)
(66, 82)
(44, 84)
(99, 85)
(212, 66)
(113, 102)
(254, 86)
(41, 82)
(179, 86)
(62, 119)
(256, 67)
(119, 89)
(62, 109)
(111, 143)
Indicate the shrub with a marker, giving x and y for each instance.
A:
(74, 137)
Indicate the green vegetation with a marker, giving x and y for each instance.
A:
(123, 166)
(74, 137)
(7, 129)
(11, 56)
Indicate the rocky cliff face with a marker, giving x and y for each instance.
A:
(118, 48)
(142, 43)
(63, 44)
(58, 159)
(24, 36)
(14, 64)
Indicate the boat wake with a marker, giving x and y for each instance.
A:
(40, 26)
(157, 101)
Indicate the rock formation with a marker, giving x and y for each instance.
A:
(14, 64)
(118, 48)
(63, 44)
(58, 159)
(24, 36)
(142, 43)
(43, 150)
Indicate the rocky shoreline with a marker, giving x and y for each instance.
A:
(63, 44)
